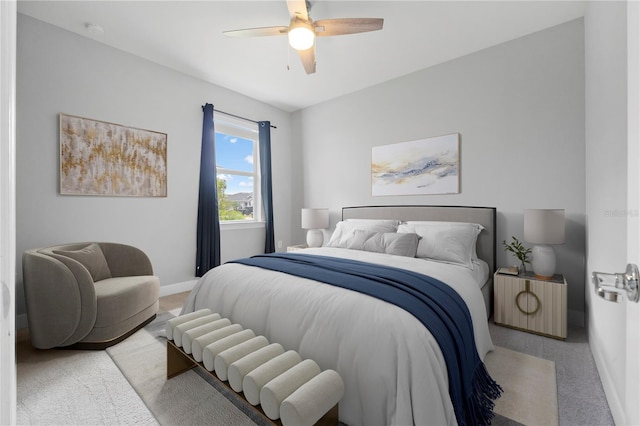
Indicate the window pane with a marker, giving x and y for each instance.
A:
(234, 152)
(236, 147)
(235, 184)
(235, 197)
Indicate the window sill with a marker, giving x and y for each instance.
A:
(234, 225)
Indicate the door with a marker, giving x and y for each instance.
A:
(632, 391)
(612, 99)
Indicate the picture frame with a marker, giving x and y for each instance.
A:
(107, 159)
(421, 167)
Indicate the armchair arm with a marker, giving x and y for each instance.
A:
(61, 300)
(125, 260)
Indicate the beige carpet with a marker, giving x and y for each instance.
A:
(84, 387)
(530, 393)
(529, 384)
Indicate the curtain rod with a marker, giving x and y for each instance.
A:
(241, 118)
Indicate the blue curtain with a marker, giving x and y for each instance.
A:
(208, 231)
(264, 138)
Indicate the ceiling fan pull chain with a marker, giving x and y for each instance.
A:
(288, 57)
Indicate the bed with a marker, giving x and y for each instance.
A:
(393, 369)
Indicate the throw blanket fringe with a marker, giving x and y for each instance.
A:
(436, 305)
(485, 391)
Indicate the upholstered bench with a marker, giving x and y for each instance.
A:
(278, 384)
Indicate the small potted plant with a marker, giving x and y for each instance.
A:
(519, 251)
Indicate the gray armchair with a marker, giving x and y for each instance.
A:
(89, 295)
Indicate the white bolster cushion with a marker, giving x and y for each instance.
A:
(277, 390)
(312, 400)
(210, 352)
(199, 343)
(179, 329)
(240, 368)
(168, 328)
(254, 381)
(224, 359)
(189, 335)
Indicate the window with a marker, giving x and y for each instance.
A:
(237, 169)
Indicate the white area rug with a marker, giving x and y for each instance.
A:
(187, 399)
(530, 393)
(67, 387)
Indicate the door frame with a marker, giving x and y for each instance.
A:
(8, 29)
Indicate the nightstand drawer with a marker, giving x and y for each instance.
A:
(531, 305)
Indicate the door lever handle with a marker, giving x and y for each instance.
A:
(611, 287)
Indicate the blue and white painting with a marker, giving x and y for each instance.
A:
(425, 166)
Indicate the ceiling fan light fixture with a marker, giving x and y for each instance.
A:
(301, 35)
(302, 30)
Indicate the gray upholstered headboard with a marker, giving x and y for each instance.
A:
(485, 216)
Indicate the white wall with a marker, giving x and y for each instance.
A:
(60, 72)
(606, 177)
(519, 108)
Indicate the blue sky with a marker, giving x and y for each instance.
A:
(235, 153)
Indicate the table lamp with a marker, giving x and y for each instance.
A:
(543, 227)
(315, 220)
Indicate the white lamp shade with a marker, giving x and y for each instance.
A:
(315, 218)
(544, 226)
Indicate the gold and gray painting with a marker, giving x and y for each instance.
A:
(100, 158)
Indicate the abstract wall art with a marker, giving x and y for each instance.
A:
(100, 158)
(425, 166)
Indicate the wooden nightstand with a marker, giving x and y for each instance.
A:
(296, 248)
(530, 304)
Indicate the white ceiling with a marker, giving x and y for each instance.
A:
(187, 36)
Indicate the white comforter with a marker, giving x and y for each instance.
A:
(392, 367)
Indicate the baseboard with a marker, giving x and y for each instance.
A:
(615, 403)
(575, 318)
(21, 321)
(167, 290)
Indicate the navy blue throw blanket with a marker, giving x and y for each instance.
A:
(434, 303)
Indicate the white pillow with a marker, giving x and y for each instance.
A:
(377, 242)
(411, 224)
(449, 242)
(370, 225)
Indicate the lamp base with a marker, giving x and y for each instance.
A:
(543, 261)
(315, 238)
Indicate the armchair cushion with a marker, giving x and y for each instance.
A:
(123, 297)
(92, 258)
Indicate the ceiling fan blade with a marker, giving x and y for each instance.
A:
(298, 8)
(257, 32)
(308, 58)
(332, 27)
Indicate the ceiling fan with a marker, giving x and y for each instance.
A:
(303, 30)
